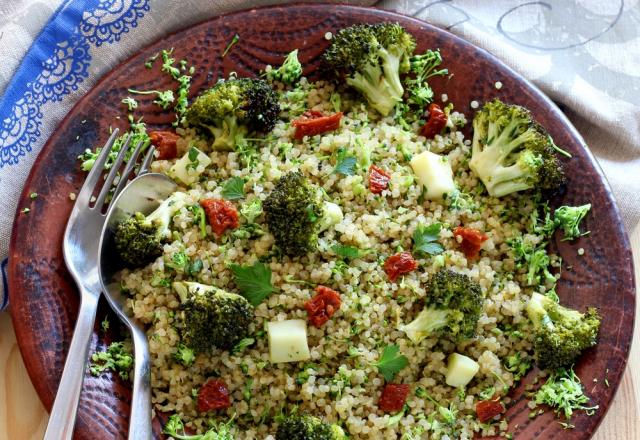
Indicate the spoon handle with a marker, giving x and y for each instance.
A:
(63, 414)
(140, 419)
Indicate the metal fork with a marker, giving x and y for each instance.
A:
(80, 249)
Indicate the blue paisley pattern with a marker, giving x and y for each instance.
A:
(65, 65)
(20, 129)
(111, 19)
(63, 70)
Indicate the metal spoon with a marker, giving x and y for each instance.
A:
(143, 194)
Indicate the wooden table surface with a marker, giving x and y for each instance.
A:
(23, 417)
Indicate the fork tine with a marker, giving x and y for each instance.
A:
(96, 171)
(124, 177)
(144, 168)
(108, 181)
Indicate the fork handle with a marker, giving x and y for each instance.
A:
(140, 420)
(63, 414)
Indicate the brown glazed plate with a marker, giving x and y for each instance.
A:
(44, 299)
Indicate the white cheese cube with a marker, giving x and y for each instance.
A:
(434, 173)
(288, 341)
(460, 370)
(189, 167)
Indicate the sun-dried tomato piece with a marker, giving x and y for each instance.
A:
(313, 122)
(472, 239)
(222, 214)
(436, 122)
(322, 306)
(393, 397)
(487, 409)
(378, 179)
(166, 143)
(213, 395)
(399, 264)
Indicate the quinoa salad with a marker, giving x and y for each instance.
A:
(341, 261)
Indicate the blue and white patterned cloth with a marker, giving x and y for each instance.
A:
(584, 53)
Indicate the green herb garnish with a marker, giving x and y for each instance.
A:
(233, 188)
(425, 239)
(232, 43)
(242, 345)
(391, 362)
(117, 358)
(254, 282)
(563, 391)
(346, 166)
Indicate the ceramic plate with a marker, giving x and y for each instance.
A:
(44, 300)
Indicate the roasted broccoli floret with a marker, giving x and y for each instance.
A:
(372, 58)
(220, 431)
(511, 152)
(452, 308)
(232, 108)
(561, 334)
(139, 238)
(307, 427)
(296, 213)
(210, 317)
(289, 72)
(568, 218)
(184, 355)
(424, 67)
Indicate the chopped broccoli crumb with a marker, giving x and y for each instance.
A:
(117, 357)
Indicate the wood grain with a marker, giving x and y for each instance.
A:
(23, 416)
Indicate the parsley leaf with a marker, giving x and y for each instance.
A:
(244, 343)
(254, 282)
(233, 188)
(193, 154)
(195, 267)
(391, 362)
(425, 239)
(343, 251)
(346, 166)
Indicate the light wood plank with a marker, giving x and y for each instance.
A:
(22, 415)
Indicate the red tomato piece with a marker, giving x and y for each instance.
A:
(487, 409)
(399, 264)
(313, 122)
(378, 179)
(222, 214)
(436, 122)
(322, 306)
(166, 143)
(213, 395)
(393, 397)
(472, 239)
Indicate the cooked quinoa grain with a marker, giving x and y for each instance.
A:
(339, 383)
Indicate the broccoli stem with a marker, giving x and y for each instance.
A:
(380, 94)
(429, 320)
